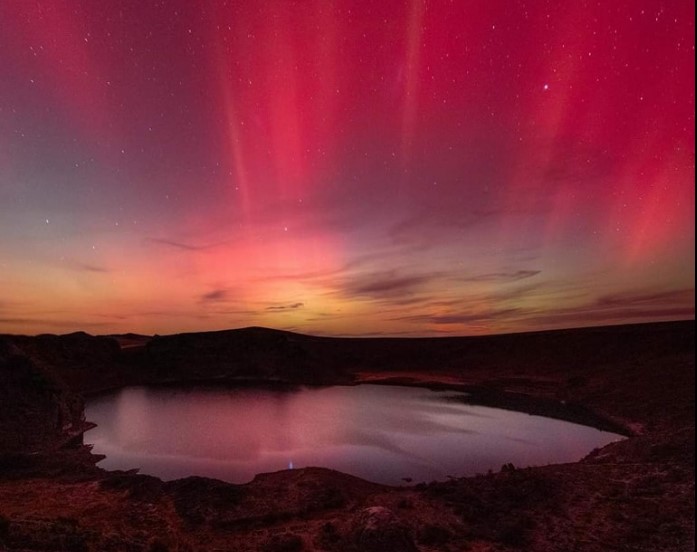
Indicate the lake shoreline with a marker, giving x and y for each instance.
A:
(386, 434)
(478, 395)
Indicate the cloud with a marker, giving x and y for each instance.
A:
(380, 285)
(420, 332)
(317, 275)
(48, 322)
(176, 244)
(215, 296)
(186, 246)
(330, 276)
(633, 299)
(461, 318)
(615, 308)
(486, 316)
(625, 307)
(571, 318)
(282, 308)
(389, 286)
(86, 267)
(402, 288)
(502, 276)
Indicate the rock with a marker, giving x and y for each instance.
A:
(378, 529)
(434, 535)
(326, 498)
(328, 537)
(198, 499)
(57, 534)
(286, 542)
(157, 545)
(36, 411)
(141, 488)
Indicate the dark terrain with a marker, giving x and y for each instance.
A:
(635, 495)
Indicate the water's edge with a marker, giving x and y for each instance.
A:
(136, 438)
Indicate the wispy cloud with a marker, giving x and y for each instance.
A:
(47, 322)
(472, 311)
(348, 271)
(282, 308)
(580, 317)
(310, 276)
(218, 295)
(176, 244)
(461, 318)
(186, 246)
(486, 316)
(639, 305)
(380, 285)
(86, 267)
(512, 276)
(648, 298)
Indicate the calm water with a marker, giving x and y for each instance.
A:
(382, 434)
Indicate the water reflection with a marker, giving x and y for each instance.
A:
(383, 434)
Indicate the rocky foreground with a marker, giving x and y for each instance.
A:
(636, 495)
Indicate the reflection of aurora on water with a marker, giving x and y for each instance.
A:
(380, 433)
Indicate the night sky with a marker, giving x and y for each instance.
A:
(411, 167)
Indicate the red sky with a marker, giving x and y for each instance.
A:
(345, 167)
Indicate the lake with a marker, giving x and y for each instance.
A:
(384, 434)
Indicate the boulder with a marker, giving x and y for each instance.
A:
(378, 529)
